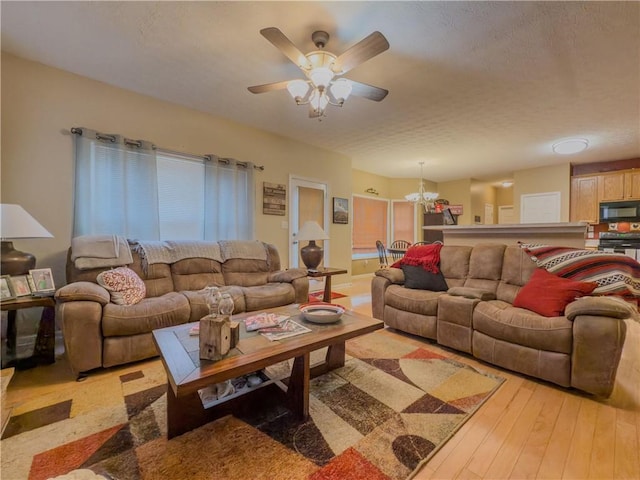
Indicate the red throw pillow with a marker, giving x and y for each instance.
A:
(548, 295)
(426, 256)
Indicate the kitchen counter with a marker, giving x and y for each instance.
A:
(570, 234)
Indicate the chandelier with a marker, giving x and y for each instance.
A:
(426, 199)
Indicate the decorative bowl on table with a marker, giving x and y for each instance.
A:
(320, 312)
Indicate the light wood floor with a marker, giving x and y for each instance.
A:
(527, 429)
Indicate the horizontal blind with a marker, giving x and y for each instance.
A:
(370, 223)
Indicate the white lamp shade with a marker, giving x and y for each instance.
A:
(15, 222)
(311, 231)
(321, 76)
(341, 89)
(318, 101)
(298, 88)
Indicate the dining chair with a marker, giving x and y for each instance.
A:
(398, 248)
(382, 254)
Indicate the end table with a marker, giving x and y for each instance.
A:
(326, 272)
(44, 349)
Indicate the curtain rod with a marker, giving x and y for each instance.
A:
(138, 143)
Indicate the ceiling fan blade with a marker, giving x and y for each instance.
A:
(268, 87)
(373, 45)
(368, 91)
(282, 43)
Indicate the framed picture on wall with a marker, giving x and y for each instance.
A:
(340, 210)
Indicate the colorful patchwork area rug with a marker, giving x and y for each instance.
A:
(393, 405)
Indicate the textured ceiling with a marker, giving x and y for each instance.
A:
(477, 89)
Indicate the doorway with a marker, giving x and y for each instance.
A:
(308, 202)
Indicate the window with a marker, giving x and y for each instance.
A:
(126, 187)
(180, 198)
(370, 223)
(403, 219)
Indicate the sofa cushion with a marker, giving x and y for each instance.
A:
(268, 296)
(503, 321)
(548, 294)
(145, 316)
(423, 302)
(198, 301)
(454, 264)
(196, 273)
(124, 285)
(418, 277)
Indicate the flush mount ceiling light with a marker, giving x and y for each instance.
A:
(507, 184)
(570, 146)
(322, 88)
(421, 197)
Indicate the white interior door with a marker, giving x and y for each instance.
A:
(506, 214)
(308, 201)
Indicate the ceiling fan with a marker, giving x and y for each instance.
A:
(324, 85)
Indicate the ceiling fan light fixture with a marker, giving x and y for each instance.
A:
(298, 89)
(341, 89)
(318, 101)
(321, 76)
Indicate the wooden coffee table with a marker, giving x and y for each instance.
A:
(187, 374)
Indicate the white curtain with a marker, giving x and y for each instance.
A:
(116, 187)
(229, 199)
(123, 187)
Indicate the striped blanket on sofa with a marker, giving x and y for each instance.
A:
(615, 274)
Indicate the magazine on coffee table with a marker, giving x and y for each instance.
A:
(263, 320)
(287, 329)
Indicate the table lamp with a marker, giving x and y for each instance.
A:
(311, 254)
(15, 222)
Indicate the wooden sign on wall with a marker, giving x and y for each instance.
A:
(274, 199)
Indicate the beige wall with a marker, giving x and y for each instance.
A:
(556, 178)
(504, 196)
(40, 104)
(458, 192)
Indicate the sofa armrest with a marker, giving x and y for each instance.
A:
(469, 292)
(83, 291)
(601, 307)
(394, 275)
(287, 276)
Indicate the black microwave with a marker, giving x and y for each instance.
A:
(628, 211)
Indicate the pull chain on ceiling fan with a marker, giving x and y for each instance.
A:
(323, 86)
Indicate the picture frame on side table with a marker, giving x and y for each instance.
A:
(20, 285)
(42, 281)
(5, 288)
(340, 210)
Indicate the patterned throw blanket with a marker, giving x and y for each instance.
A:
(615, 274)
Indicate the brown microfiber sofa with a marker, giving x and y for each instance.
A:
(99, 333)
(580, 349)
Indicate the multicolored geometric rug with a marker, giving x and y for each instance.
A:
(379, 417)
(317, 296)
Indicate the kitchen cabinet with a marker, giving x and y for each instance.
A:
(621, 185)
(584, 199)
(632, 184)
(587, 191)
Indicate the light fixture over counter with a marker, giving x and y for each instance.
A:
(426, 199)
